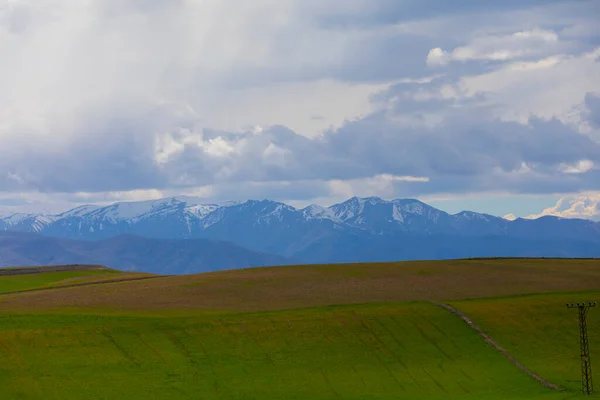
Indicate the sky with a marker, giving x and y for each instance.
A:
(470, 104)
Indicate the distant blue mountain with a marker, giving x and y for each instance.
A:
(359, 229)
(130, 253)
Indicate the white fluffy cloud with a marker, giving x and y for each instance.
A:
(520, 44)
(581, 167)
(585, 206)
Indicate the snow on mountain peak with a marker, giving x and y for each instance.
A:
(416, 207)
(138, 209)
(228, 203)
(315, 211)
(201, 210)
(275, 209)
(397, 213)
(15, 218)
(128, 210)
(30, 222)
(373, 200)
(194, 212)
(473, 215)
(189, 217)
(355, 208)
(77, 211)
(278, 211)
(509, 217)
(348, 209)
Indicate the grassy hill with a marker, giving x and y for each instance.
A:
(540, 331)
(362, 331)
(376, 352)
(34, 278)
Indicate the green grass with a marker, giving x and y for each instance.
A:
(12, 283)
(541, 332)
(248, 334)
(402, 351)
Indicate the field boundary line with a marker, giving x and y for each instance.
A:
(11, 271)
(500, 349)
(102, 282)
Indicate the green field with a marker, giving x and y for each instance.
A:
(212, 336)
(540, 331)
(14, 283)
(371, 352)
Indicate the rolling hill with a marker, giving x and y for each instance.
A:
(358, 331)
(289, 287)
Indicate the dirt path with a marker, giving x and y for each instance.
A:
(502, 351)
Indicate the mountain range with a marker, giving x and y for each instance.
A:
(357, 230)
(130, 253)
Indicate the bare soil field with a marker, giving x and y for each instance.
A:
(278, 288)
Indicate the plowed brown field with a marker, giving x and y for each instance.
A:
(277, 288)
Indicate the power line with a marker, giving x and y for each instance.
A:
(587, 386)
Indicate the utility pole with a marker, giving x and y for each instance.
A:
(587, 386)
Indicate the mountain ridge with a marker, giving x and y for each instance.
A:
(197, 206)
(358, 229)
(131, 253)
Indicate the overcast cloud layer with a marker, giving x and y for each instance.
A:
(299, 100)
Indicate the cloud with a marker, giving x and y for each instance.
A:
(548, 87)
(520, 44)
(128, 98)
(437, 56)
(592, 112)
(586, 207)
(291, 104)
(67, 59)
(299, 193)
(460, 153)
(581, 167)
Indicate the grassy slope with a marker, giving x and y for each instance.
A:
(540, 331)
(154, 340)
(409, 351)
(11, 283)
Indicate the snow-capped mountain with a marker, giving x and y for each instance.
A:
(26, 222)
(316, 233)
(376, 214)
